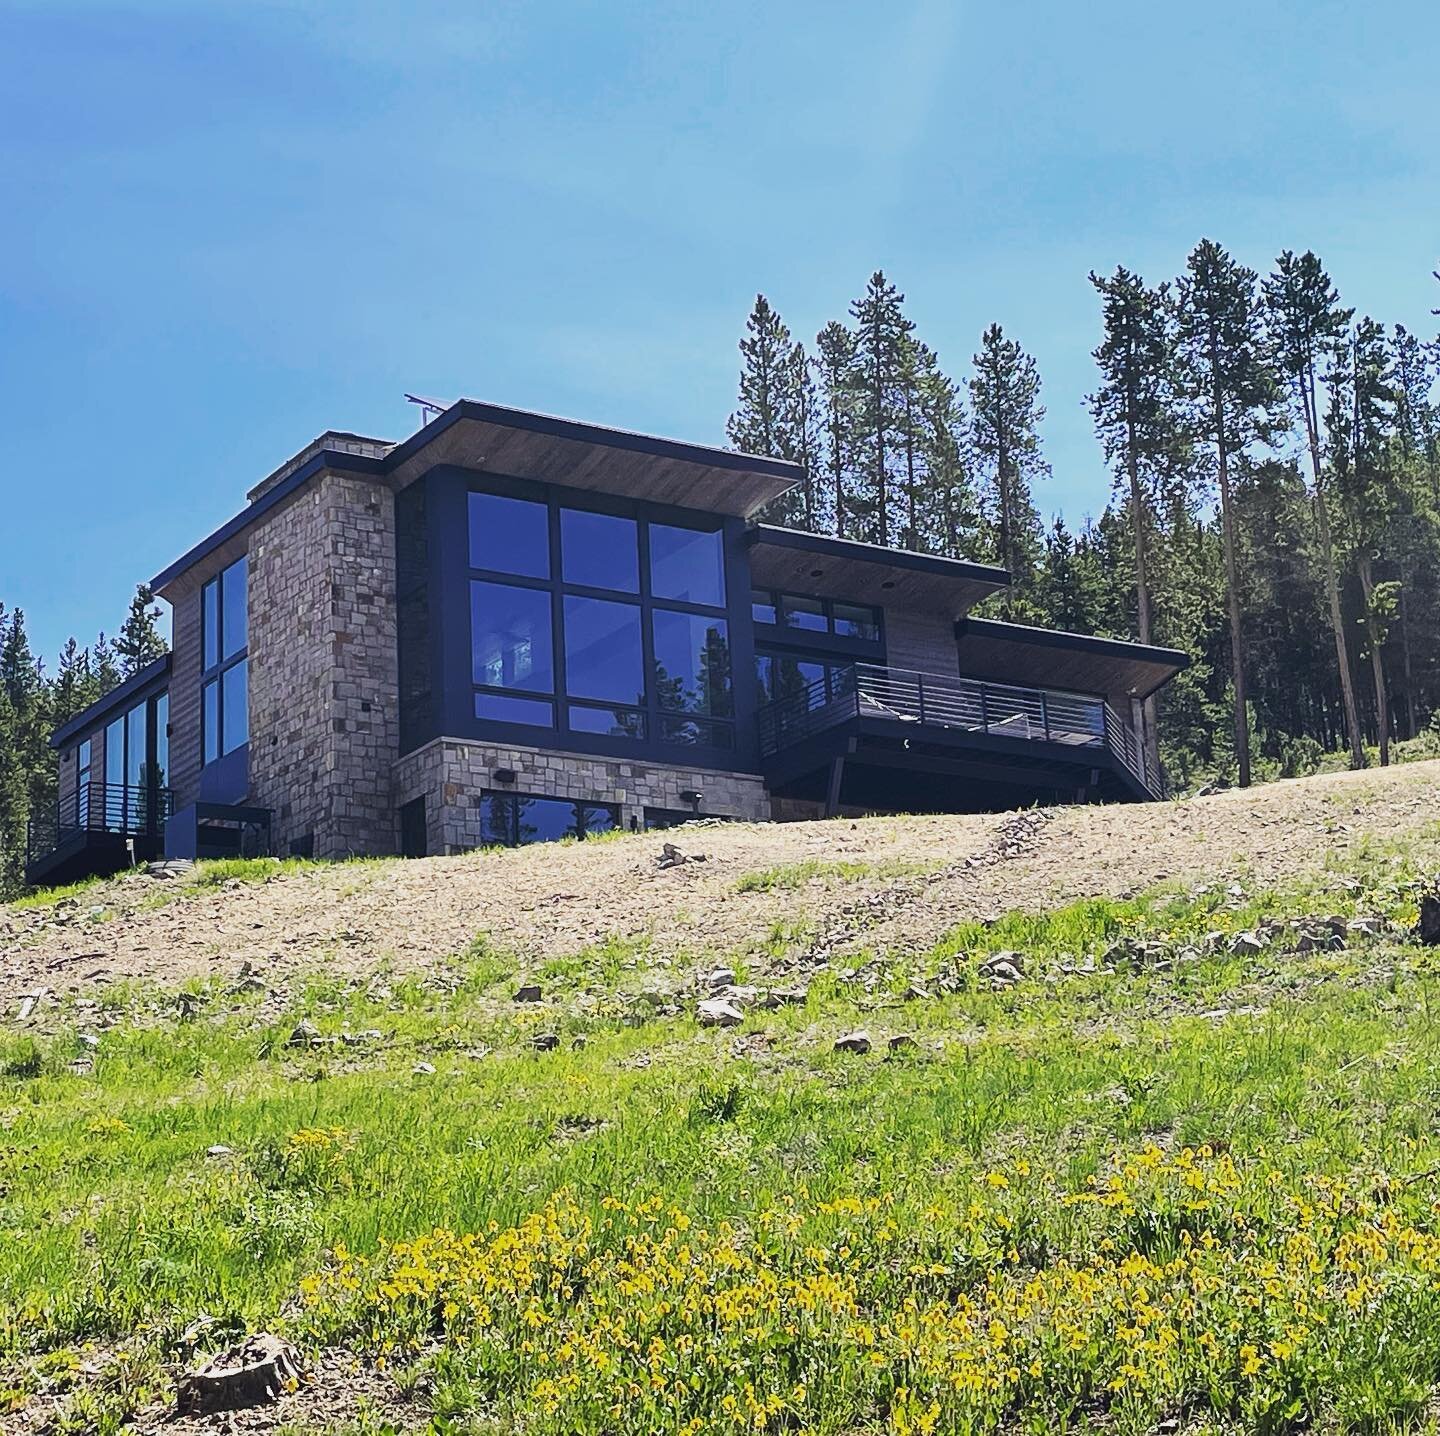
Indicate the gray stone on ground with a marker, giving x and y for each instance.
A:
(545, 1041)
(306, 1034)
(857, 1041)
(530, 992)
(719, 1012)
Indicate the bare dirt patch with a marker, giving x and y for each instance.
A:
(880, 882)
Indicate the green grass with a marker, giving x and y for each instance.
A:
(794, 875)
(831, 1238)
(48, 897)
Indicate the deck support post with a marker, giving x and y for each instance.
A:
(832, 796)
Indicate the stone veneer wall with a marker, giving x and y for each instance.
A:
(451, 774)
(324, 691)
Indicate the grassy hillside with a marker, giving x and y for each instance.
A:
(1158, 1161)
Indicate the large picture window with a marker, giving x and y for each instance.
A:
(623, 636)
(512, 820)
(224, 640)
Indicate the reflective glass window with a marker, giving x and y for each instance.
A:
(599, 550)
(503, 708)
(854, 620)
(543, 820)
(603, 656)
(696, 732)
(234, 707)
(210, 623)
(511, 637)
(687, 564)
(162, 740)
(692, 663)
(610, 722)
(762, 607)
(509, 535)
(800, 611)
(234, 622)
(210, 720)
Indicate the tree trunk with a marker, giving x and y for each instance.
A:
(1151, 735)
(1332, 579)
(1232, 572)
(1377, 661)
(1412, 720)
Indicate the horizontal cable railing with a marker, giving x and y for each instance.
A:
(98, 808)
(940, 701)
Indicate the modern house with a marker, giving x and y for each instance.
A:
(512, 627)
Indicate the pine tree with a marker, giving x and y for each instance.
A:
(882, 334)
(836, 367)
(1231, 388)
(1005, 400)
(757, 425)
(1135, 418)
(1306, 319)
(139, 642)
(800, 425)
(1361, 410)
(949, 518)
(106, 669)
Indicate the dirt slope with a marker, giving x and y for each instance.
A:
(924, 874)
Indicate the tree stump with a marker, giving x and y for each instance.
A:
(260, 1370)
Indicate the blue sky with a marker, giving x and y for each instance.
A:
(230, 225)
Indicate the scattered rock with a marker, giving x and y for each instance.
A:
(219, 1150)
(1000, 971)
(719, 1012)
(530, 992)
(1246, 944)
(1366, 926)
(901, 1042)
(916, 993)
(718, 977)
(545, 1041)
(671, 857)
(857, 1041)
(259, 1371)
(423, 1069)
(306, 1034)
(784, 997)
(87, 1039)
(577, 1043)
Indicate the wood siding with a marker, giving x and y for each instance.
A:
(921, 641)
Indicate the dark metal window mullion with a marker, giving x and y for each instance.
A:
(647, 639)
(559, 672)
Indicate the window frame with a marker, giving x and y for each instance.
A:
(558, 500)
(578, 808)
(215, 675)
(783, 631)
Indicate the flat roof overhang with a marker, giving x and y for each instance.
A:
(148, 680)
(790, 559)
(551, 450)
(1044, 658)
(542, 447)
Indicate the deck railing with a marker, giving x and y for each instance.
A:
(98, 808)
(936, 700)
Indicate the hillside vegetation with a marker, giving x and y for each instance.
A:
(1097, 1117)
